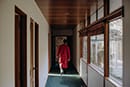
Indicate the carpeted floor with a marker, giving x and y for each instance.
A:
(69, 79)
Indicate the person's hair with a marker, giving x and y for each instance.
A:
(65, 41)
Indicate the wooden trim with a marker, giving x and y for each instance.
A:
(106, 7)
(20, 48)
(97, 29)
(19, 11)
(31, 51)
(36, 55)
(96, 10)
(106, 40)
(17, 52)
(116, 13)
(24, 49)
(106, 50)
(49, 51)
(94, 30)
(88, 17)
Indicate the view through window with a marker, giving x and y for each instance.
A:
(115, 49)
(97, 50)
(85, 48)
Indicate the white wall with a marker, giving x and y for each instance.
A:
(77, 49)
(7, 39)
(94, 78)
(84, 70)
(126, 45)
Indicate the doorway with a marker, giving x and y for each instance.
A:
(20, 48)
(55, 42)
(34, 52)
(36, 55)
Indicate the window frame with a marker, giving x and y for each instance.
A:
(119, 12)
(97, 68)
(114, 80)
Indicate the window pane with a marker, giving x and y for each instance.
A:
(93, 12)
(100, 12)
(93, 8)
(100, 3)
(97, 50)
(93, 18)
(86, 23)
(115, 49)
(85, 48)
(115, 4)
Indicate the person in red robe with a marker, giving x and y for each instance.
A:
(63, 56)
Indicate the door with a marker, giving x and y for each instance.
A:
(36, 55)
(20, 49)
(32, 63)
(17, 51)
(34, 51)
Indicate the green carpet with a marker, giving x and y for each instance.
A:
(69, 79)
(66, 80)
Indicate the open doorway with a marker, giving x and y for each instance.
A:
(34, 54)
(55, 43)
(20, 48)
(32, 71)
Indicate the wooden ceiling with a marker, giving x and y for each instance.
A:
(64, 12)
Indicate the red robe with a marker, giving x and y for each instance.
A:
(64, 55)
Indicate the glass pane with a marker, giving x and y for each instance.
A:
(93, 18)
(115, 4)
(100, 12)
(100, 3)
(93, 8)
(115, 49)
(97, 50)
(85, 48)
(86, 19)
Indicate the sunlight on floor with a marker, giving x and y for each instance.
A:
(66, 75)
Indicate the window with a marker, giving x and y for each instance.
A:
(93, 13)
(114, 4)
(85, 48)
(97, 50)
(96, 10)
(93, 18)
(100, 11)
(115, 49)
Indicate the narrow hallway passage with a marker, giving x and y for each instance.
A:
(55, 80)
(69, 79)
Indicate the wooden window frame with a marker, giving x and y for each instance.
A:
(101, 26)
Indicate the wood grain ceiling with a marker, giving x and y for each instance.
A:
(64, 12)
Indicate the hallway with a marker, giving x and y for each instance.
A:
(98, 35)
(70, 78)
